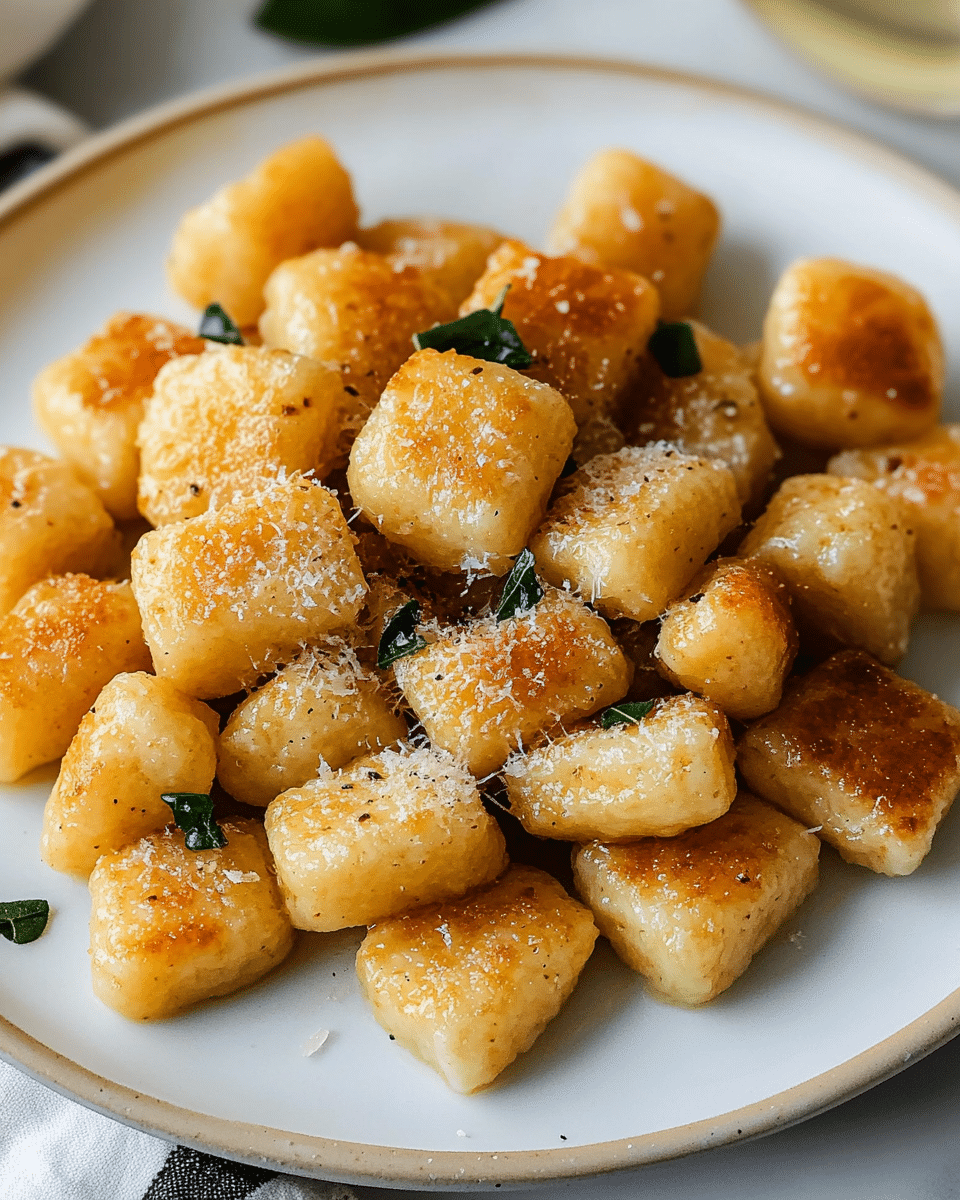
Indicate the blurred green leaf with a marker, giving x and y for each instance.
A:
(356, 22)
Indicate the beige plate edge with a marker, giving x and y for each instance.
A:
(353, 1162)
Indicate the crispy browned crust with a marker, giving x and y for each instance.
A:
(585, 326)
(117, 366)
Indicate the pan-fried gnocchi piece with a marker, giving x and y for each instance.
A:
(324, 708)
(872, 758)
(52, 524)
(352, 309)
(170, 926)
(141, 738)
(297, 199)
(90, 403)
(390, 832)
(716, 413)
(467, 986)
(62, 642)
(586, 327)
(670, 771)
(924, 476)
(227, 595)
(690, 912)
(851, 357)
(629, 530)
(457, 460)
(622, 211)
(483, 689)
(731, 638)
(449, 253)
(845, 551)
(229, 421)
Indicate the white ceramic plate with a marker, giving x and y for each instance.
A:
(864, 978)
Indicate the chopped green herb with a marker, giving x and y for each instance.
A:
(630, 712)
(193, 813)
(23, 920)
(217, 326)
(675, 349)
(334, 23)
(482, 334)
(400, 638)
(521, 589)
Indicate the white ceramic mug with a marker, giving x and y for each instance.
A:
(27, 28)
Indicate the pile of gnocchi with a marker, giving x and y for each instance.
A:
(487, 598)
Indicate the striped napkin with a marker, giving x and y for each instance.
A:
(54, 1149)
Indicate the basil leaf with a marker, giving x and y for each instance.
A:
(216, 326)
(521, 590)
(631, 712)
(400, 638)
(482, 334)
(23, 920)
(193, 813)
(674, 348)
(335, 23)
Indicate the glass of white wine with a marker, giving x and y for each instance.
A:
(904, 53)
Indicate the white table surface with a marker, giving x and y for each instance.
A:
(900, 1141)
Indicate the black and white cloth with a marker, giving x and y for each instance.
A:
(53, 1149)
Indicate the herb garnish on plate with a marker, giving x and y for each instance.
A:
(482, 334)
(674, 349)
(400, 638)
(216, 325)
(630, 712)
(23, 920)
(521, 589)
(193, 813)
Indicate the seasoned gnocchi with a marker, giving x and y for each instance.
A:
(447, 530)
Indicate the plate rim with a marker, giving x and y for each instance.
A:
(356, 1162)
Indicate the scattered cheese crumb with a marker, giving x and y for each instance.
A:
(313, 1043)
(242, 876)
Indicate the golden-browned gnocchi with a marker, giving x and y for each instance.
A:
(171, 926)
(449, 253)
(229, 421)
(324, 708)
(924, 475)
(586, 327)
(629, 530)
(390, 832)
(669, 771)
(228, 595)
(851, 356)
(622, 211)
(690, 912)
(845, 551)
(90, 403)
(457, 460)
(469, 985)
(62, 642)
(50, 524)
(483, 689)
(297, 199)
(871, 759)
(352, 309)
(400, 734)
(141, 738)
(730, 638)
(715, 413)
